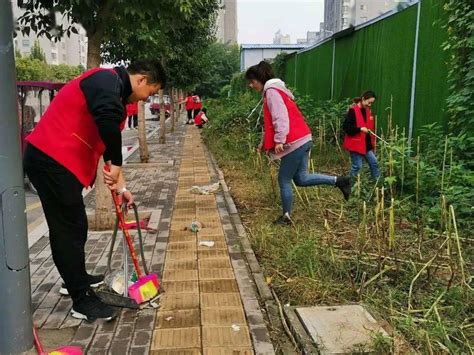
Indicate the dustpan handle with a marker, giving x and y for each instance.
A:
(123, 225)
(140, 238)
(112, 244)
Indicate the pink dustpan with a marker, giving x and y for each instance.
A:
(145, 289)
(64, 350)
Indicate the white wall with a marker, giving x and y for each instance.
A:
(251, 57)
(70, 50)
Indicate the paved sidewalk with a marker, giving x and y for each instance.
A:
(210, 304)
(201, 311)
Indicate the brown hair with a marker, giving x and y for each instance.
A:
(365, 96)
(261, 72)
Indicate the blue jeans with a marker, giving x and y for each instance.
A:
(356, 159)
(294, 166)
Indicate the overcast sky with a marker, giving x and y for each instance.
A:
(258, 20)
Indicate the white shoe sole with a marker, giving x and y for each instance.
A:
(78, 315)
(63, 290)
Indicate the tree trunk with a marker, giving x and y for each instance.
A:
(178, 104)
(103, 203)
(172, 117)
(144, 156)
(162, 139)
(93, 50)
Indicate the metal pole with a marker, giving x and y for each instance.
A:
(296, 62)
(333, 67)
(413, 79)
(16, 327)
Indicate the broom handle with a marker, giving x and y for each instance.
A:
(128, 238)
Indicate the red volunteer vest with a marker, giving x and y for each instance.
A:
(356, 143)
(198, 119)
(189, 103)
(132, 109)
(68, 134)
(298, 126)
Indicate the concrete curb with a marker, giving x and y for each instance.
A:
(249, 276)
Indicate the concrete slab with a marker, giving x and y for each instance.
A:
(226, 336)
(181, 286)
(180, 338)
(212, 300)
(218, 286)
(178, 319)
(223, 317)
(215, 274)
(228, 351)
(179, 301)
(339, 329)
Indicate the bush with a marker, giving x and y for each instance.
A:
(28, 69)
(238, 84)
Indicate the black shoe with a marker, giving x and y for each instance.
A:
(283, 221)
(344, 184)
(94, 281)
(90, 308)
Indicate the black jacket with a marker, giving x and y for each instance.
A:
(106, 95)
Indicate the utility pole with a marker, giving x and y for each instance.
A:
(16, 327)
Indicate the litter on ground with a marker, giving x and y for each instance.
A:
(235, 328)
(205, 190)
(207, 243)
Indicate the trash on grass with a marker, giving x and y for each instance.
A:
(235, 328)
(205, 190)
(206, 243)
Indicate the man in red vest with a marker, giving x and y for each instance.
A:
(83, 123)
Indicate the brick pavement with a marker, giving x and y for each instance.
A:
(204, 309)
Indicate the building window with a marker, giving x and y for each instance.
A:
(345, 8)
(63, 45)
(64, 57)
(363, 7)
(53, 56)
(25, 43)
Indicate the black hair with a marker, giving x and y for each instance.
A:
(153, 70)
(204, 110)
(261, 72)
(369, 94)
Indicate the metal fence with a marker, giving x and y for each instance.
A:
(398, 55)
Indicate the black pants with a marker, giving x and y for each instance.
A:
(190, 114)
(196, 111)
(134, 119)
(61, 196)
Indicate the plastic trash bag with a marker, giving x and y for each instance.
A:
(206, 189)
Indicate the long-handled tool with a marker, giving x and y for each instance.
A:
(147, 286)
(64, 350)
(114, 291)
(386, 143)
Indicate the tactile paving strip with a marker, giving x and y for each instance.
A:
(201, 311)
